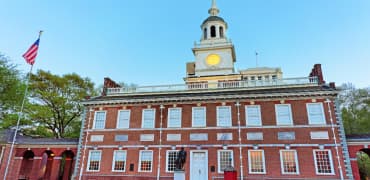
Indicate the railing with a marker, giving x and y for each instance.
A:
(213, 85)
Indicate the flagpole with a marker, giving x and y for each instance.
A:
(20, 113)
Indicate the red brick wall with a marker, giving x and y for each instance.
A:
(299, 113)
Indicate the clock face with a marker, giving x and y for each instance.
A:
(213, 59)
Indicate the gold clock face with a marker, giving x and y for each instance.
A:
(213, 59)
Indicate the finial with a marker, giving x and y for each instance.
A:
(213, 11)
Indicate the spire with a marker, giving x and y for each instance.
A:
(213, 11)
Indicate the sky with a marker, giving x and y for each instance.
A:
(148, 42)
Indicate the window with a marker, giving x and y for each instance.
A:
(224, 116)
(283, 114)
(323, 162)
(253, 115)
(94, 160)
(319, 135)
(96, 138)
(119, 160)
(148, 118)
(267, 78)
(171, 157)
(199, 117)
(99, 120)
(273, 77)
(225, 159)
(256, 160)
(255, 136)
(253, 78)
(289, 162)
(213, 31)
(123, 121)
(221, 32)
(259, 77)
(315, 113)
(121, 137)
(286, 135)
(145, 163)
(174, 117)
(205, 33)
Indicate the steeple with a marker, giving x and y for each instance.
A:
(213, 11)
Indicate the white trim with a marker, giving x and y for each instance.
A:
(105, 118)
(250, 162)
(168, 117)
(151, 166)
(322, 112)
(167, 152)
(290, 115)
(216, 128)
(319, 135)
(227, 124)
(259, 115)
(205, 116)
(114, 161)
(330, 159)
(119, 116)
(88, 162)
(191, 164)
(219, 170)
(296, 161)
(142, 118)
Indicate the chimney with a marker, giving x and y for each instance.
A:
(316, 71)
(108, 83)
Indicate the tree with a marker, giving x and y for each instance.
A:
(355, 106)
(55, 103)
(11, 92)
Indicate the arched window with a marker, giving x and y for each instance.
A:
(205, 33)
(213, 31)
(221, 31)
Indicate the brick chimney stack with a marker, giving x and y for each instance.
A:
(109, 83)
(316, 71)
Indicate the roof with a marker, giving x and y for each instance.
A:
(6, 136)
(214, 18)
(358, 137)
(224, 94)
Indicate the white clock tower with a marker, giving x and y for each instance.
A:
(214, 54)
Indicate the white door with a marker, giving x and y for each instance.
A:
(199, 165)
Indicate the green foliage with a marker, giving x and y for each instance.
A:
(11, 92)
(55, 102)
(355, 105)
(363, 161)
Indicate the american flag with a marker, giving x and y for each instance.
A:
(31, 53)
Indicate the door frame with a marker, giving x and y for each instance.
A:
(191, 163)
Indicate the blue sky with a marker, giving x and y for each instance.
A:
(148, 42)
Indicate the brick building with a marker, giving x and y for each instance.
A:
(264, 125)
(37, 158)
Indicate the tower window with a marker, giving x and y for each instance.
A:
(205, 33)
(213, 31)
(221, 32)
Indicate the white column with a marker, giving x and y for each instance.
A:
(217, 31)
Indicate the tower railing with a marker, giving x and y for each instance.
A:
(235, 84)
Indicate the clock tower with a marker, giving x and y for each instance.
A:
(214, 54)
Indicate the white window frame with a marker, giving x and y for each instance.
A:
(151, 165)
(250, 161)
(228, 120)
(282, 164)
(278, 122)
(170, 119)
(259, 115)
(105, 118)
(123, 126)
(323, 120)
(88, 162)
(219, 160)
(114, 160)
(167, 160)
(204, 114)
(330, 159)
(143, 120)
